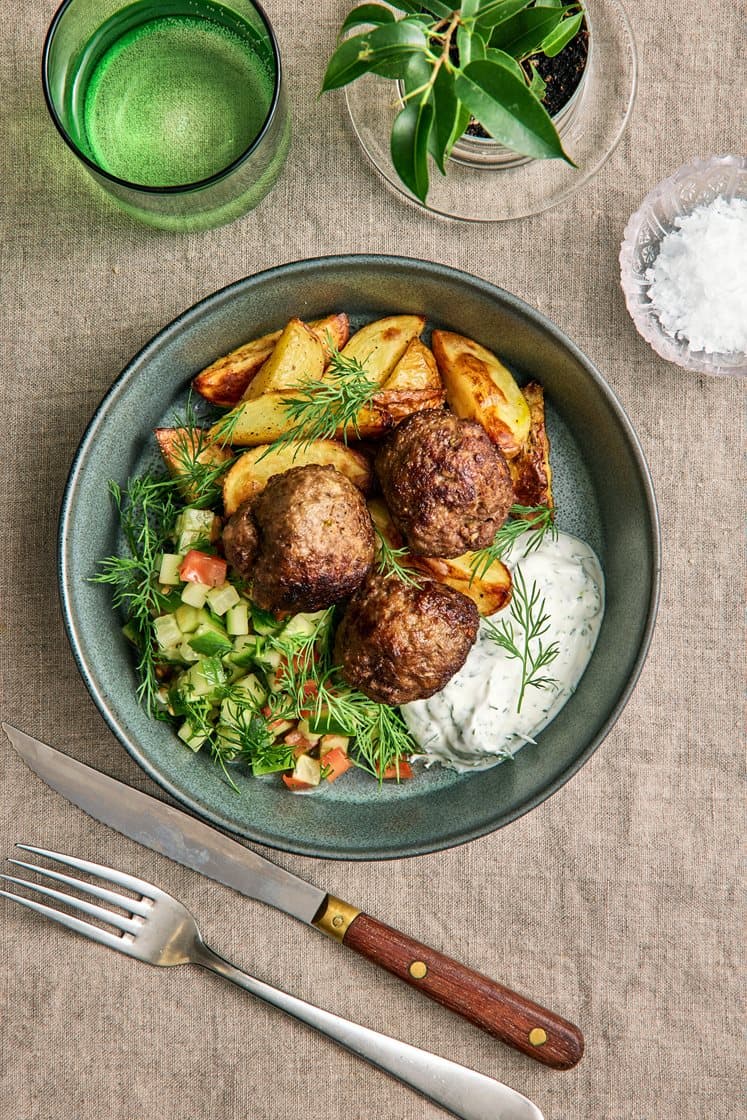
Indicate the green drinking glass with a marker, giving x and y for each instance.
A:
(175, 107)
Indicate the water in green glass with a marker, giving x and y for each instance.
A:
(173, 98)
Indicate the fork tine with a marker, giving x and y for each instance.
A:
(134, 905)
(112, 940)
(101, 872)
(128, 925)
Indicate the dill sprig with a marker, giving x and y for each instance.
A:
(540, 520)
(198, 472)
(521, 636)
(319, 409)
(147, 510)
(388, 561)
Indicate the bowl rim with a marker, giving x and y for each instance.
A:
(454, 837)
(667, 347)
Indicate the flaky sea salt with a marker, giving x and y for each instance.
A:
(698, 282)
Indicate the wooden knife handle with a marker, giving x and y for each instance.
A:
(505, 1014)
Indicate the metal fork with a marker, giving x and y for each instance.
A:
(159, 930)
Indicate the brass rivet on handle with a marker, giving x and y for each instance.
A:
(337, 920)
(418, 969)
(537, 1036)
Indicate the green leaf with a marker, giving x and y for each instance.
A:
(367, 13)
(553, 43)
(506, 60)
(508, 111)
(498, 11)
(409, 145)
(464, 116)
(435, 7)
(469, 8)
(538, 85)
(471, 46)
(417, 72)
(373, 50)
(446, 112)
(523, 34)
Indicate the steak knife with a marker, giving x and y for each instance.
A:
(500, 1012)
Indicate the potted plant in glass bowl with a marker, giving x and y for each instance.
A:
(487, 84)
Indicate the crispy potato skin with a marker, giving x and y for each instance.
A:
(446, 485)
(251, 472)
(398, 643)
(226, 380)
(298, 358)
(531, 473)
(178, 444)
(479, 387)
(316, 540)
(416, 369)
(381, 344)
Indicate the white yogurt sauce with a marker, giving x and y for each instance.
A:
(473, 722)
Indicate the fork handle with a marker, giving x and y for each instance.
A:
(461, 1091)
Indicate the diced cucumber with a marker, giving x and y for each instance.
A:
(205, 678)
(263, 622)
(308, 769)
(210, 642)
(250, 684)
(167, 632)
(194, 527)
(269, 659)
(188, 618)
(169, 570)
(195, 594)
(194, 739)
(270, 765)
(302, 625)
(130, 634)
(221, 598)
(237, 618)
(328, 725)
(186, 652)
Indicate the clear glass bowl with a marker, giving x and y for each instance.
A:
(697, 183)
(480, 185)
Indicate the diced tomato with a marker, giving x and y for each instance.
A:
(299, 741)
(335, 762)
(198, 567)
(294, 783)
(403, 771)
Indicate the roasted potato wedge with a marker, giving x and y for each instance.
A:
(531, 473)
(182, 447)
(479, 387)
(387, 409)
(416, 369)
(226, 380)
(298, 357)
(490, 592)
(381, 344)
(254, 422)
(250, 473)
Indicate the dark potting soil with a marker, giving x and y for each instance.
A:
(562, 75)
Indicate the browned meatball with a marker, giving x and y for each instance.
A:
(398, 643)
(315, 540)
(241, 540)
(447, 485)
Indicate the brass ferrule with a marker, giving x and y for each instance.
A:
(335, 917)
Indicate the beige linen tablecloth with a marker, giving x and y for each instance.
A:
(616, 901)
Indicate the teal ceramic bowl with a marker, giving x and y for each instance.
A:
(603, 492)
